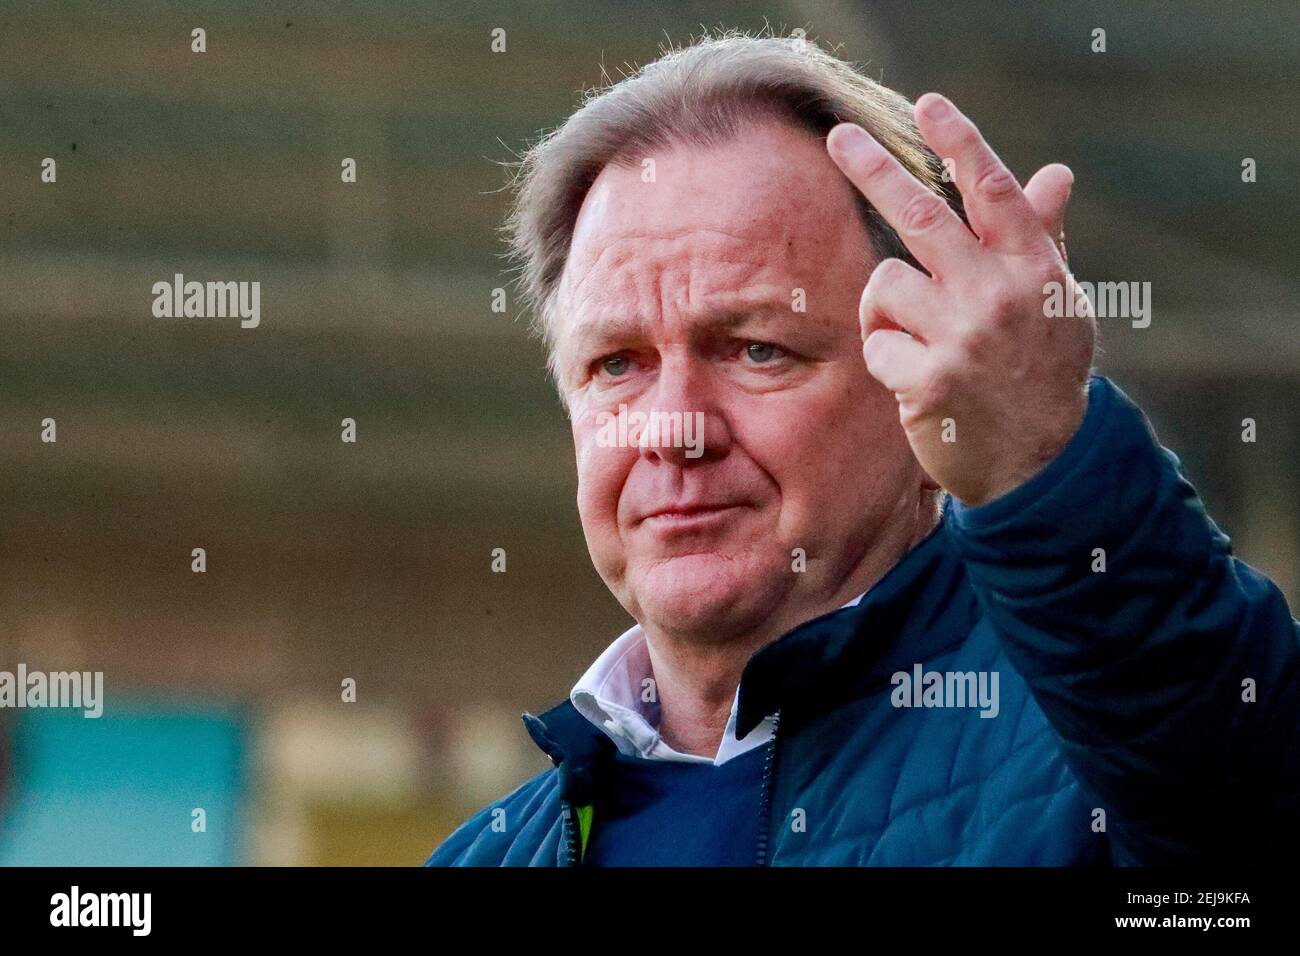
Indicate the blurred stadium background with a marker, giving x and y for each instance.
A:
(372, 561)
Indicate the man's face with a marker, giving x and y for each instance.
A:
(725, 281)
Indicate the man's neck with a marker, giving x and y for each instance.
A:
(696, 680)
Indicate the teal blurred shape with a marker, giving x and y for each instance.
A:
(120, 790)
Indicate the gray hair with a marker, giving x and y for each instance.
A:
(700, 94)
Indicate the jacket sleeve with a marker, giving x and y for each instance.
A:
(455, 850)
(1170, 669)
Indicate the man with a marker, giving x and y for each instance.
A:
(928, 592)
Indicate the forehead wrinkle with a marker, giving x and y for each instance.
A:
(611, 244)
(723, 302)
(797, 245)
(648, 273)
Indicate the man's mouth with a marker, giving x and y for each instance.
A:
(692, 516)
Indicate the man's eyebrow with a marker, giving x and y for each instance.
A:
(715, 319)
(601, 328)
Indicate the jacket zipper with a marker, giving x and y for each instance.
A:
(765, 803)
(571, 835)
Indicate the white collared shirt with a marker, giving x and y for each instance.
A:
(610, 695)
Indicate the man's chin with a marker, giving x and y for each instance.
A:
(705, 594)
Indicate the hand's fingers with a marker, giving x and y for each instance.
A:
(928, 227)
(895, 359)
(995, 204)
(898, 296)
(1048, 191)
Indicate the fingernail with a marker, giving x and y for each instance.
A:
(850, 141)
(937, 107)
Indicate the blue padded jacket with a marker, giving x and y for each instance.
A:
(1147, 710)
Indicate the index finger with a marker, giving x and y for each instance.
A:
(924, 221)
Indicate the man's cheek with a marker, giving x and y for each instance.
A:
(597, 504)
(602, 473)
(594, 457)
(585, 449)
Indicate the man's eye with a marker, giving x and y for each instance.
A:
(615, 365)
(762, 352)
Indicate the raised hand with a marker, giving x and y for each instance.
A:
(989, 388)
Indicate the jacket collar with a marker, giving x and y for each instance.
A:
(921, 607)
(574, 744)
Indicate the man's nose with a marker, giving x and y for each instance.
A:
(685, 424)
